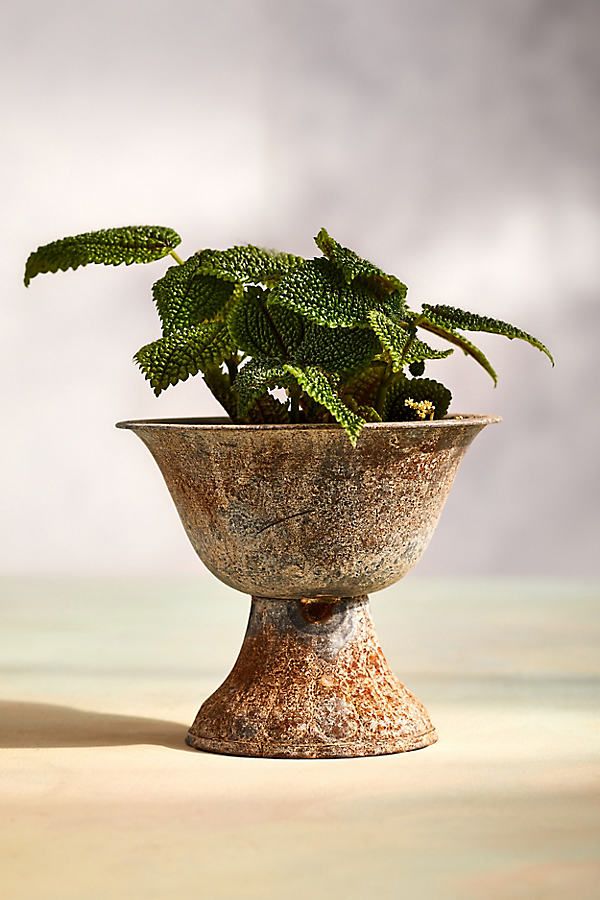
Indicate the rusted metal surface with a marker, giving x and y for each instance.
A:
(287, 513)
(294, 511)
(311, 681)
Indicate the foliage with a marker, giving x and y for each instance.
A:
(404, 394)
(283, 339)
(186, 295)
(401, 343)
(466, 321)
(256, 378)
(109, 247)
(180, 354)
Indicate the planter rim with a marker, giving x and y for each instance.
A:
(223, 424)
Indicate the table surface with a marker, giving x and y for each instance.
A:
(100, 797)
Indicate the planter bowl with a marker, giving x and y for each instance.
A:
(308, 526)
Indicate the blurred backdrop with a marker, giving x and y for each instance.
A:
(456, 144)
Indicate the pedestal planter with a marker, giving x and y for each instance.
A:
(308, 526)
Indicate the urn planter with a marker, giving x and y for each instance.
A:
(309, 526)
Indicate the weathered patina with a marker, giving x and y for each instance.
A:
(296, 517)
(311, 681)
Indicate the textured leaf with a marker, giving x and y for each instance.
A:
(109, 247)
(466, 321)
(320, 292)
(257, 377)
(459, 340)
(320, 388)
(176, 356)
(363, 387)
(368, 413)
(246, 264)
(185, 296)
(268, 410)
(263, 330)
(352, 266)
(336, 349)
(313, 412)
(417, 389)
(400, 342)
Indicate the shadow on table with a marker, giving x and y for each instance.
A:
(30, 725)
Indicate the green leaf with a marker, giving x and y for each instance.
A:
(320, 292)
(400, 342)
(319, 387)
(466, 321)
(257, 377)
(185, 296)
(402, 389)
(363, 387)
(176, 356)
(268, 410)
(369, 413)
(246, 264)
(109, 247)
(352, 266)
(262, 330)
(336, 349)
(459, 340)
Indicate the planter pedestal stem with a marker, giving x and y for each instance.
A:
(311, 681)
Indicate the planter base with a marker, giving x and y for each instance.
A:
(311, 682)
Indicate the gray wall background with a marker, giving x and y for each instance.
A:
(454, 143)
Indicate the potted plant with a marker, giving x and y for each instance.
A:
(324, 483)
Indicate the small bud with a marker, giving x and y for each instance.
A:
(417, 368)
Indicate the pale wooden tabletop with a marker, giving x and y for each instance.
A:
(100, 798)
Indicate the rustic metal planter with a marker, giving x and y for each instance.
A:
(307, 525)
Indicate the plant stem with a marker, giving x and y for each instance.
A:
(176, 257)
(407, 346)
(220, 387)
(384, 384)
(232, 369)
(295, 404)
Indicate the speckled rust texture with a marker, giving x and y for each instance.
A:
(308, 525)
(295, 511)
(311, 681)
